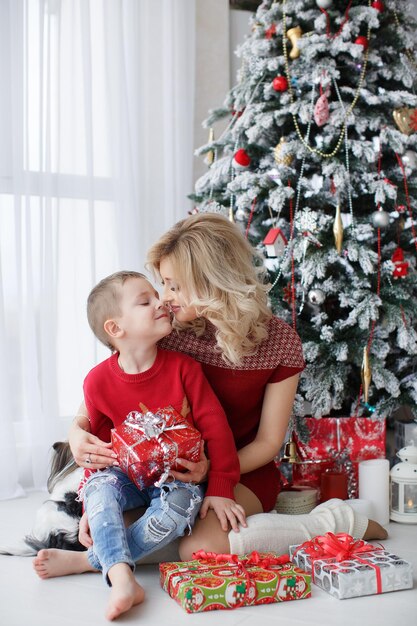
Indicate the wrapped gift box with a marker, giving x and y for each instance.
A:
(147, 445)
(217, 581)
(347, 568)
(347, 439)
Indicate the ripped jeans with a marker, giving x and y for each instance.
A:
(171, 509)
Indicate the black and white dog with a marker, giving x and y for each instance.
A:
(57, 520)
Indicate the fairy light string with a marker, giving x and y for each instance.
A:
(294, 313)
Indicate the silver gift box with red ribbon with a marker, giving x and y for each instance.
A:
(349, 568)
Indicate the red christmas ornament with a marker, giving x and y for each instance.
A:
(362, 41)
(401, 266)
(378, 5)
(271, 31)
(280, 83)
(241, 160)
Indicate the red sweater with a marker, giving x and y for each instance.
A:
(173, 380)
(241, 389)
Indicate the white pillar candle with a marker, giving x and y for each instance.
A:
(364, 507)
(374, 487)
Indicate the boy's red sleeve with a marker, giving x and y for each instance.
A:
(210, 419)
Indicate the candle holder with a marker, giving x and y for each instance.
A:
(403, 487)
(333, 484)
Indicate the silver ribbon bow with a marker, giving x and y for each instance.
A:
(152, 425)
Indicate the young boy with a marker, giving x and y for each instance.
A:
(125, 313)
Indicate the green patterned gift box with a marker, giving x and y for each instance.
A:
(227, 581)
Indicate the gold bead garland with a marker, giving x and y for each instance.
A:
(324, 155)
(407, 52)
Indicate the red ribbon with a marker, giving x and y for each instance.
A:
(254, 558)
(341, 547)
(241, 563)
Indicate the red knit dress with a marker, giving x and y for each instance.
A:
(241, 388)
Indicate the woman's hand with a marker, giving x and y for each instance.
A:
(227, 510)
(89, 451)
(196, 472)
(84, 536)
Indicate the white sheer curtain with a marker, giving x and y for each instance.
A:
(96, 118)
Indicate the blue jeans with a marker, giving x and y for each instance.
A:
(171, 509)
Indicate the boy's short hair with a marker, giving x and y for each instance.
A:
(103, 303)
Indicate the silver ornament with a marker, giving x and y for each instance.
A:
(324, 4)
(380, 219)
(409, 159)
(316, 296)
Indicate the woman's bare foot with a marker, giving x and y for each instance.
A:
(54, 562)
(375, 531)
(125, 591)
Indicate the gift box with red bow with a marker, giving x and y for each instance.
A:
(338, 442)
(227, 581)
(347, 568)
(147, 445)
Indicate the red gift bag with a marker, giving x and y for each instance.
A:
(338, 443)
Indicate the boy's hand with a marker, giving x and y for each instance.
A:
(227, 510)
(84, 536)
(195, 472)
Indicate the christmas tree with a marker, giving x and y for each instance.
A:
(318, 165)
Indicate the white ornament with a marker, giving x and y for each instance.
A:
(380, 219)
(409, 159)
(316, 296)
(324, 4)
(306, 220)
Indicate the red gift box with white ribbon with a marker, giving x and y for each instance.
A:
(147, 445)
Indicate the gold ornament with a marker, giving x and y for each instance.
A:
(294, 34)
(210, 153)
(366, 373)
(231, 217)
(290, 452)
(406, 120)
(338, 230)
(279, 159)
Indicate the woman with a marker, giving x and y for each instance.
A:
(213, 284)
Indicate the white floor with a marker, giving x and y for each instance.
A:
(25, 600)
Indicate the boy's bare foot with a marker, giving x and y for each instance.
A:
(54, 562)
(125, 592)
(375, 531)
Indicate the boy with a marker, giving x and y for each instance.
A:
(125, 313)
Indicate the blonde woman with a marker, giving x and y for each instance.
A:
(213, 284)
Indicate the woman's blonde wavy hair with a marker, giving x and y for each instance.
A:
(221, 275)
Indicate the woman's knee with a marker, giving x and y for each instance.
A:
(207, 535)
